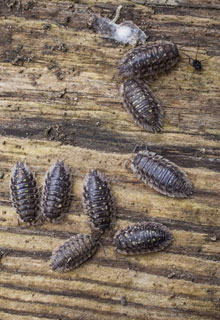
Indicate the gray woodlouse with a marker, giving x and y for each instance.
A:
(149, 59)
(142, 238)
(24, 193)
(140, 102)
(55, 199)
(161, 174)
(73, 252)
(97, 201)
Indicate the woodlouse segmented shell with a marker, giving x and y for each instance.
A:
(97, 201)
(149, 59)
(140, 102)
(55, 199)
(73, 252)
(24, 193)
(142, 238)
(161, 174)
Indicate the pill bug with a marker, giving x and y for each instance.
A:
(73, 252)
(161, 174)
(142, 238)
(55, 200)
(24, 193)
(97, 201)
(149, 59)
(140, 102)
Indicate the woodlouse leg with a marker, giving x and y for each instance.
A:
(39, 222)
(117, 256)
(112, 231)
(102, 246)
(139, 147)
(80, 175)
(127, 164)
(152, 77)
(57, 221)
(88, 223)
(4, 253)
(95, 233)
(18, 220)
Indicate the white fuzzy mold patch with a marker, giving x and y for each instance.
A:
(126, 32)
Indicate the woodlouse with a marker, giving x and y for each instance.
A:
(73, 252)
(140, 102)
(24, 193)
(97, 201)
(142, 237)
(56, 197)
(149, 59)
(161, 174)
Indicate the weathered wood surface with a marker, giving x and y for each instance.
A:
(59, 99)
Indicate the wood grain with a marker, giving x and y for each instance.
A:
(59, 98)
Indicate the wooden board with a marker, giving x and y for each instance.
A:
(59, 98)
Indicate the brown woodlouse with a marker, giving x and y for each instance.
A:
(73, 252)
(142, 237)
(161, 174)
(149, 59)
(97, 201)
(24, 193)
(140, 102)
(56, 197)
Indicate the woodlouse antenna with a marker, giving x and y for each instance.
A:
(117, 255)
(127, 162)
(102, 246)
(140, 147)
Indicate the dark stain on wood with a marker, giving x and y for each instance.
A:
(86, 134)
